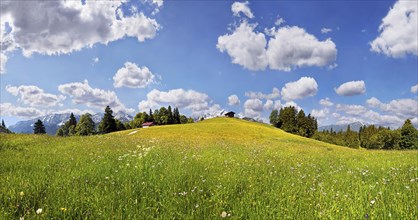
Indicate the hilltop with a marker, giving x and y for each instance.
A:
(220, 167)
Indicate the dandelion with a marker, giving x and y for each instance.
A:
(39, 211)
(63, 209)
(21, 194)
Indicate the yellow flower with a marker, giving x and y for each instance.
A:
(63, 209)
(21, 194)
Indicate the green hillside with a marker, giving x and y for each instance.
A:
(217, 168)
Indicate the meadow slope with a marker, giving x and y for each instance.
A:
(217, 168)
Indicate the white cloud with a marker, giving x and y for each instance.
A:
(398, 31)
(3, 61)
(8, 109)
(199, 103)
(133, 76)
(320, 114)
(292, 47)
(241, 7)
(82, 93)
(253, 108)
(304, 87)
(245, 47)
(279, 21)
(35, 96)
(269, 105)
(373, 102)
(356, 110)
(414, 89)
(287, 49)
(326, 102)
(275, 93)
(292, 103)
(351, 88)
(67, 26)
(71, 110)
(233, 100)
(325, 30)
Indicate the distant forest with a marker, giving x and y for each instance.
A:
(369, 137)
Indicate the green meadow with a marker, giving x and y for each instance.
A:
(215, 169)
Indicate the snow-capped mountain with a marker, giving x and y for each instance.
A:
(355, 126)
(214, 114)
(53, 121)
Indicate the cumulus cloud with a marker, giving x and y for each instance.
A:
(405, 108)
(279, 21)
(3, 61)
(82, 93)
(199, 103)
(8, 109)
(398, 31)
(269, 105)
(321, 113)
(133, 76)
(373, 102)
(292, 47)
(351, 88)
(233, 100)
(414, 89)
(326, 102)
(275, 93)
(245, 47)
(304, 87)
(35, 96)
(241, 7)
(325, 30)
(67, 26)
(253, 108)
(357, 110)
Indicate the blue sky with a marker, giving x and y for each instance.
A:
(341, 61)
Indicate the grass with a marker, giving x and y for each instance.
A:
(208, 170)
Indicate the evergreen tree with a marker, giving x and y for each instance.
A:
(163, 116)
(119, 125)
(156, 117)
(60, 132)
(274, 117)
(190, 120)
(72, 120)
(409, 136)
(39, 127)
(151, 116)
(183, 119)
(176, 116)
(108, 123)
(3, 124)
(287, 119)
(85, 126)
(170, 116)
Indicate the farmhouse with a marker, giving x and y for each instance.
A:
(230, 114)
(147, 124)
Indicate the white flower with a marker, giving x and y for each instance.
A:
(224, 214)
(372, 202)
(39, 211)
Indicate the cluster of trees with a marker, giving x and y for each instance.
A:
(3, 128)
(372, 137)
(292, 121)
(162, 116)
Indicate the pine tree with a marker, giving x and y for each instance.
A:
(170, 116)
(120, 126)
(85, 126)
(39, 127)
(72, 120)
(409, 136)
(2, 124)
(287, 119)
(176, 116)
(108, 123)
(151, 116)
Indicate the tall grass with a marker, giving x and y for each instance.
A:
(219, 168)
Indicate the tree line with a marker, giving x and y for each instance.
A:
(373, 137)
(86, 125)
(293, 121)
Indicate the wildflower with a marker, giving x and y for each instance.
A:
(224, 214)
(21, 194)
(39, 211)
(22, 218)
(372, 202)
(63, 209)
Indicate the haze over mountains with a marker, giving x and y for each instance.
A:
(53, 121)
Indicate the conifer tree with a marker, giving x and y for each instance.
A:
(176, 116)
(2, 124)
(39, 127)
(85, 126)
(108, 123)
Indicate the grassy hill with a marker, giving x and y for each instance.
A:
(216, 168)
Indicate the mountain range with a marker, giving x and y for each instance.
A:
(355, 126)
(53, 121)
